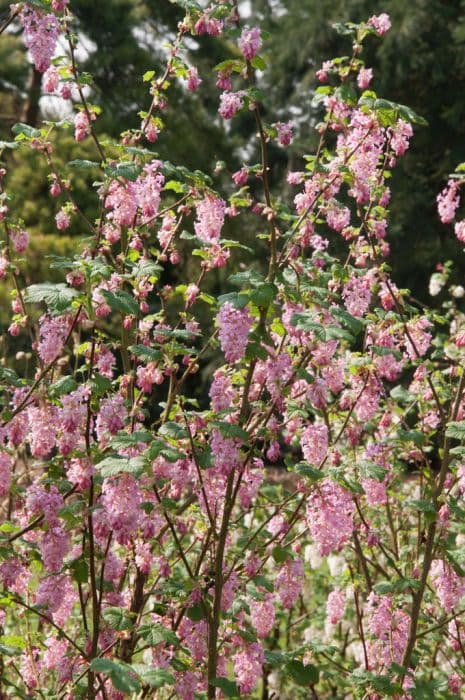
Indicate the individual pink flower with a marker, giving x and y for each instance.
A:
(235, 325)
(364, 78)
(63, 220)
(210, 219)
(19, 239)
(335, 606)
(193, 79)
(51, 79)
(380, 23)
(240, 177)
(284, 130)
(230, 103)
(250, 42)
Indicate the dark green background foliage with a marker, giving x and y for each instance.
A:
(420, 62)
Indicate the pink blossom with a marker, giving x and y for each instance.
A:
(401, 133)
(459, 230)
(284, 130)
(230, 103)
(210, 219)
(288, 583)
(193, 79)
(357, 295)
(122, 498)
(335, 606)
(248, 664)
(338, 217)
(364, 78)
(3, 266)
(53, 546)
(449, 586)
(20, 239)
(380, 23)
(208, 25)
(329, 515)
(149, 375)
(262, 614)
(390, 628)
(240, 177)
(250, 42)
(111, 416)
(221, 391)
(5, 473)
(63, 220)
(82, 125)
(448, 201)
(53, 333)
(234, 325)
(314, 443)
(41, 32)
(51, 79)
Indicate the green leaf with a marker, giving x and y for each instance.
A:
(302, 674)
(456, 430)
(305, 321)
(415, 436)
(371, 470)
(123, 440)
(65, 385)
(29, 132)
(121, 301)
(281, 554)
(264, 294)
(100, 385)
(310, 472)
(229, 688)
(174, 430)
(119, 674)
(154, 634)
(422, 505)
(58, 297)
(258, 62)
(148, 75)
(347, 320)
(230, 430)
(83, 164)
(80, 569)
(118, 618)
(128, 170)
(237, 299)
(111, 466)
(153, 677)
(145, 352)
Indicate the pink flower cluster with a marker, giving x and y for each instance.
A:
(41, 32)
(210, 219)
(329, 515)
(234, 325)
(250, 42)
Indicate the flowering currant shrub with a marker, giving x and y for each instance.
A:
(147, 548)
